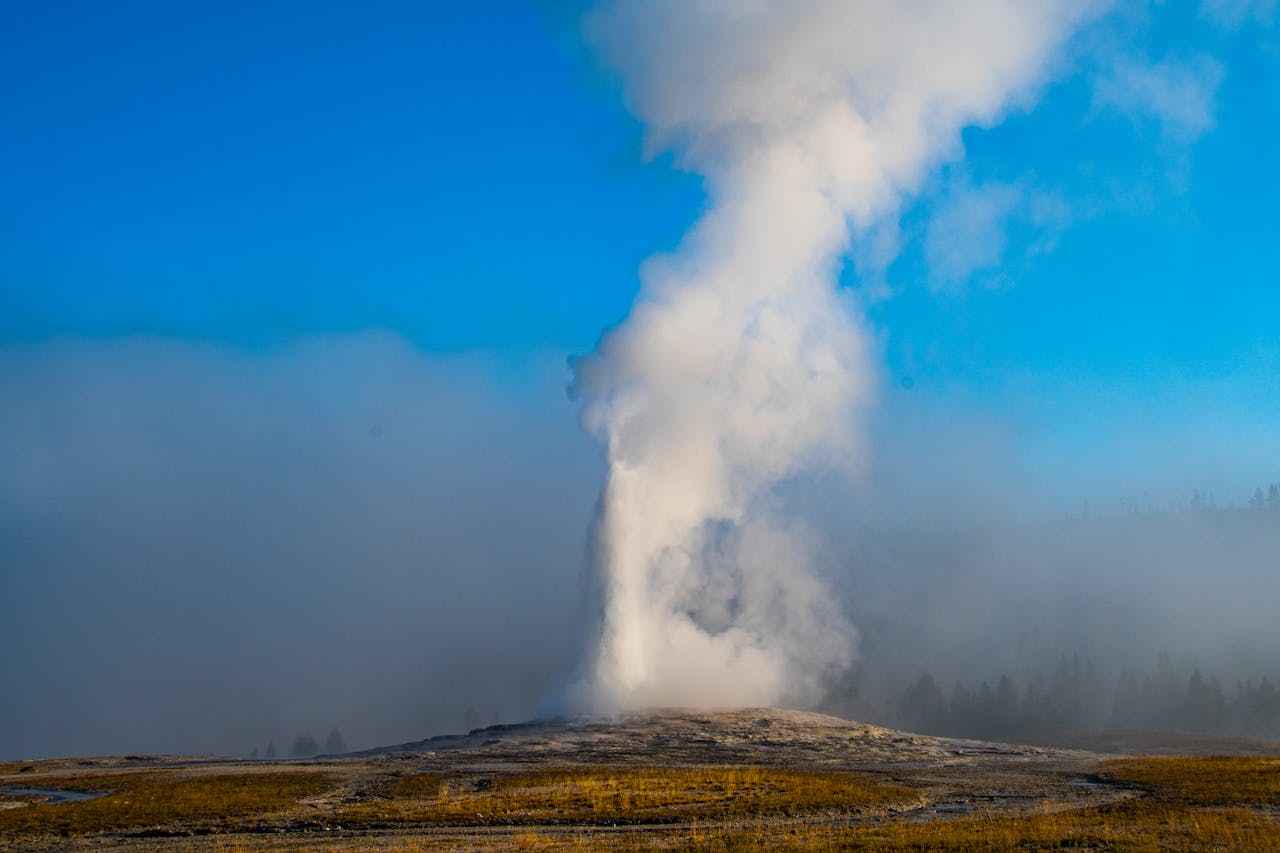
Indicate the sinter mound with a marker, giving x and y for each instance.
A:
(763, 736)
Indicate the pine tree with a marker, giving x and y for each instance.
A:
(1005, 708)
(304, 746)
(1204, 703)
(335, 743)
(923, 707)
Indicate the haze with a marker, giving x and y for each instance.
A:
(306, 421)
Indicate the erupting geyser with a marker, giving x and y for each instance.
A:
(742, 363)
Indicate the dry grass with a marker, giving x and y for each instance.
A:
(1136, 826)
(1205, 780)
(623, 795)
(1188, 804)
(1179, 804)
(1192, 803)
(152, 799)
(16, 770)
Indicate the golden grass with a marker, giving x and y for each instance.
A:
(1136, 826)
(1186, 804)
(622, 795)
(1191, 803)
(149, 799)
(1213, 780)
(1178, 803)
(17, 770)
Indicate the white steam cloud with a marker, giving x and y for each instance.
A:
(742, 363)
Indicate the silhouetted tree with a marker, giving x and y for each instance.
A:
(304, 746)
(271, 750)
(1166, 695)
(335, 743)
(923, 707)
(1126, 702)
(983, 714)
(1004, 710)
(961, 717)
(1204, 704)
(1038, 712)
(1258, 708)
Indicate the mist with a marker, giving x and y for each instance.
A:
(206, 548)
(1141, 597)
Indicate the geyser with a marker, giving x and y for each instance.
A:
(742, 363)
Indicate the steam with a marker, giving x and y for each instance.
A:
(742, 363)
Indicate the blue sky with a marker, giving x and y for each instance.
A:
(444, 170)
(460, 174)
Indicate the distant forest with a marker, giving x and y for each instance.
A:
(1263, 498)
(1075, 697)
(1259, 500)
(1075, 694)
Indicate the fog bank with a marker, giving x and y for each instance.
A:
(208, 548)
(205, 548)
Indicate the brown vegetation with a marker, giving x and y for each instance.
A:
(1181, 803)
(947, 796)
(1212, 780)
(1190, 803)
(149, 799)
(613, 795)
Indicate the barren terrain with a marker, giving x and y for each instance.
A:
(666, 779)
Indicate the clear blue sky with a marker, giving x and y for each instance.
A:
(456, 172)
(256, 171)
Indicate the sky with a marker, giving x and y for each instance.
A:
(250, 174)
(463, 176)
(299, 283)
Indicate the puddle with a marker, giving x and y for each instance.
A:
(976, 804)
(935, 811)
(1092, 784)
(52, 795)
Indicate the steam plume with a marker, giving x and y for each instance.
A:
(741, 363)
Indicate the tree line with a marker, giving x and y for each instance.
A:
(1259, 501)
(304, 746)
(1075, 696)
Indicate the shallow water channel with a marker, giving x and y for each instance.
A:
(52, 795)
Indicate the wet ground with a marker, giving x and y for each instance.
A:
(48, 795)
